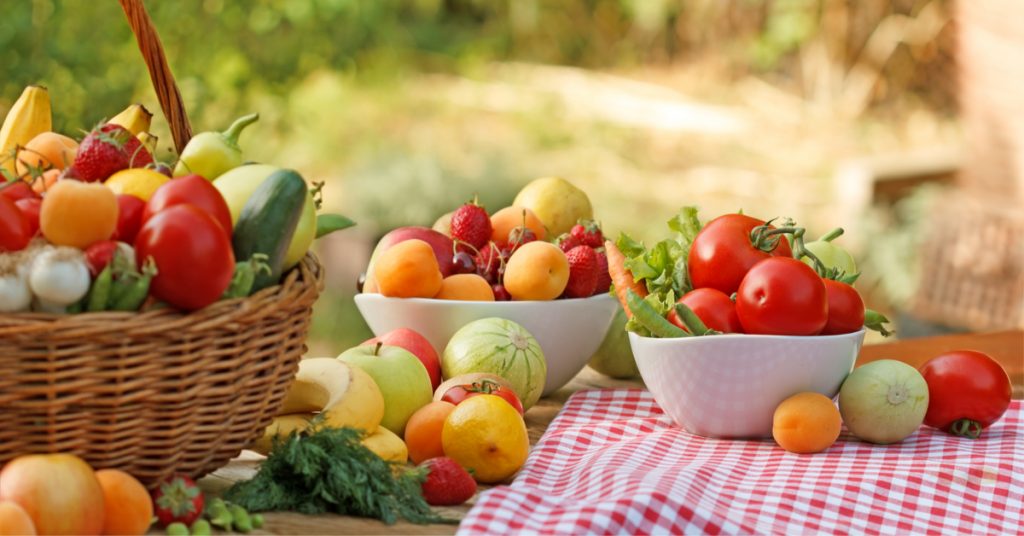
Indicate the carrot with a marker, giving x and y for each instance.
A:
(622, 278)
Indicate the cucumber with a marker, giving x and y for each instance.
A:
(267, 223)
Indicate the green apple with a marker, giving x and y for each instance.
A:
(402, 378)
(615, 357)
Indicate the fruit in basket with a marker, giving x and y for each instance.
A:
(806, 423)
(409, 269)
(967, 392)
(77, 214)
(470, 224)
(487, 436)
(845, 308)
(556, 202)
(402, 379)
(177, 499)
(502, 347)
(108, 149)
(583, 274)
(508, 219)
(268, 219)
(723, 251)
(447, 483)
(469, 287)
(42, 183)
(387, 445)
(417, 345)
(135, 118)
(28, 117)
(614, 357)
(127, 505)
(342, 393)
(782, 296)
(58, 491)
(439, 243)
(423, 431)
(139, 182)
(211, 154)
(239, 184)
(15, 521)
(45, 151)
(15, 230)
(713, 307)
(883, 401)
(193, 256)
(536, 271)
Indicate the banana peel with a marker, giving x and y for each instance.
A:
(382, 442)
(136, 118)
(342, 393)
(29, 117)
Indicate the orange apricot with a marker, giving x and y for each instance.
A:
(128, 508)
(423, 431)
(46, 150)
(14, 520)
(536, 271)
(508, 218)
(408, 269)
(469, 287)
(806, 423)
(44, 182)
(78, 214)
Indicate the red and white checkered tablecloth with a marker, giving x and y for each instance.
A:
(613, 463)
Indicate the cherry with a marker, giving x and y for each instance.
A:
(500, 294)
(463, 263)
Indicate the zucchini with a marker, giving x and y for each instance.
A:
(267, 223)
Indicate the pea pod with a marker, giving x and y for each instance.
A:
(257, 521)
(245, 276)
(177, 529)
(135, 293)
(218, 514)
(99, 294)
(201, 528)
(644, 313)
(242, 521)
(692, 321)
(210, 154)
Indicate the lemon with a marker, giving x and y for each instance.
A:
(486, 435)
(140, 182)
(556, 202)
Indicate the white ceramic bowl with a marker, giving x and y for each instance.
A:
(728, 386)
(568, 331)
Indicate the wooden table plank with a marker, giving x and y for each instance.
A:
(1007, 347)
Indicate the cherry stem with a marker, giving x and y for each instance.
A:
(968, 428)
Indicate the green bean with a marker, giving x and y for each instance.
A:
(650, 319)
(99, 294)
(692, 321)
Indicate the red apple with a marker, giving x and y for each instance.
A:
(418, 346)
(441, 244)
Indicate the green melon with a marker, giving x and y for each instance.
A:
(502, 347)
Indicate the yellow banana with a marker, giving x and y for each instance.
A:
(29, 117)
(135, 118)
(382, 442)
(344, 394)
(148, 141)
(387, 445)
(281, 426)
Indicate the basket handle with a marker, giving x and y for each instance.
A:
(159, 72)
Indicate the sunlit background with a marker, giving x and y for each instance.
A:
(832, 112)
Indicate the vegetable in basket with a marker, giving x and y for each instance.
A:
(211, 154)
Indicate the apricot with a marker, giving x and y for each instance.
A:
(127, 505)
(44, 182)
(408, 269)
(423, 431)
(536, 271)
(806, 423)
(46, 150)
(15, 520)
(469, 287)
(508, 218)
(78, 214)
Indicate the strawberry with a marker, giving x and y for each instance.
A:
(107, 150)
(583, 269)
(604, 281)
(567, 242)
(177, 500)
(588, 232)
(471, 224)
(447, 483)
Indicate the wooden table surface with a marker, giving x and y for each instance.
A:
(1007, 347)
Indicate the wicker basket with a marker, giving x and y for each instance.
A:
(162, 391)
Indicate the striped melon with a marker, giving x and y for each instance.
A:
(502, 347)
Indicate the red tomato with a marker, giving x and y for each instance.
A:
(457, 394)
(782, 296)
(18, 189)
(713, 307)
(129, 217)
(193, 256)
(99, 254)
(30, 207)
(967, 392)
(723, 252)
(193, 190)
(845, 308)
(58, 491)
(15, 230)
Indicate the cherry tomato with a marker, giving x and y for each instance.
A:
(15, 230)
(99, 254)
(18, 189)
(845, 308)
(967, 392)
(192, 254)
(30, 207)
(782, 296)
(193, 190)
(713, 307)
(457, 394)
(129, 217)
(723, 252)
